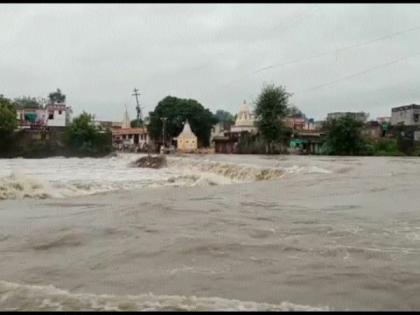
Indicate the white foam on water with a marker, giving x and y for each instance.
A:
(232, 173)
(67, 177)
(21, 297)
(295, 169)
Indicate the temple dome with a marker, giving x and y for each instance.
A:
(245, 117)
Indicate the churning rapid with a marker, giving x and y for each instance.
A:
(212, 232)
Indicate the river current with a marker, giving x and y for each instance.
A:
(210, 232)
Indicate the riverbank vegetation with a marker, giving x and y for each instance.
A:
(271, 108)
(80, 139)
(169, 116)
(83, 138)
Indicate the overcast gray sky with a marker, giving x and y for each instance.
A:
(218, 54)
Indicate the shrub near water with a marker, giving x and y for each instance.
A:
(383, 147)
(84, 138)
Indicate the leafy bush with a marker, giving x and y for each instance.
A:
(84, 138)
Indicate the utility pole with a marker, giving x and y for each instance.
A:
(138, 109)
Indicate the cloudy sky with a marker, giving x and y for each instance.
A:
(333, 57)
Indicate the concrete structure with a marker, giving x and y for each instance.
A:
(108, 125)
(132, 139)
(360, 116)
(384, 120)
(373, 129)
(245, 120)
(59, 115)
(408, 115)
(31, 118)
(126, 138)
(296, 123)
(186, 140)
(306, 142)
(54, 115)
(226, 143)
(218, 130)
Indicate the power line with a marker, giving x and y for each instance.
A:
(357, 74)
(338, 50)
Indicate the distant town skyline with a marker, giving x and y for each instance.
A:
(332, 57)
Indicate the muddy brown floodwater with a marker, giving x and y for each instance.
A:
(218, 232)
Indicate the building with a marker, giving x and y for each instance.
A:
(108, 125)
(126, 138)
(406, 115)
(54, 115)
(226, 143)
(384, 120)
(186, 141)
(295, 123)
(31, 118)
(245, 120)
(59, 115)
(307, 142)
(218, 130)
(373, 129)
(360, 116)
(132, 139)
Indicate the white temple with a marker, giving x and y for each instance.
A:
(186, 140)
(245, 120)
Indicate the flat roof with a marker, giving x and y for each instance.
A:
(405, 107)
(128, 131)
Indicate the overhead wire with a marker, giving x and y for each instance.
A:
(347, 77)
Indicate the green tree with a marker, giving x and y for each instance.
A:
(135, 124)
(344, 136)
(293, 111)
(224, 117)
(57, 97)
(84, 137)
(177, 111)
(8, 120)
(27, 102)
(272, 107)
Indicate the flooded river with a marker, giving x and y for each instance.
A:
(218, 232)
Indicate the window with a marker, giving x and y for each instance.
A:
(416, 117)
(60, 112)
(51, 116)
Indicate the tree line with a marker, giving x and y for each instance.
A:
(343, 136)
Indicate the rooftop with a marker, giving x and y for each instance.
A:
(405, 107)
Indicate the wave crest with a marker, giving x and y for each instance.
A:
(17, 186)
(236, 173)
(20, 297)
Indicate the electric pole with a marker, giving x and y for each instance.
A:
(138, 109)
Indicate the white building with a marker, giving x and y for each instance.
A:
(59, 115)
(186, 140)
(245, 120)
(408, 115)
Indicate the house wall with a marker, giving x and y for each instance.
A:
(409, 116)
(59, 118)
